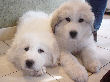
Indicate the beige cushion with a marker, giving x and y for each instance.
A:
(11, 10)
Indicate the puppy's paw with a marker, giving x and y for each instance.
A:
(79, 74)
(94, 66)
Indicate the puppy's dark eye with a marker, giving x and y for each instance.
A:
(40, 50)
(81, 20)
(26, 49)
(68, 19)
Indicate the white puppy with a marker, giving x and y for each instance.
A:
(34, 46)
(72, 24)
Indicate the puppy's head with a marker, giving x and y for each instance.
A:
(73, 20)
(30, 54)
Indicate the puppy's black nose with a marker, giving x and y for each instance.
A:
(29, 63)
(73, 34)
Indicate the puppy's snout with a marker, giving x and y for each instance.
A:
(29, 63)
(73, 34)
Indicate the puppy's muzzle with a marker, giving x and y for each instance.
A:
(29, 63)
(73, 34)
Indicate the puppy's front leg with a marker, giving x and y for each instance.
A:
(90, 59)
(73, 68)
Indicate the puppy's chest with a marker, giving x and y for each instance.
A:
(76, 47)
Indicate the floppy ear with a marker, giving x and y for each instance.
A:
(91, 18)
(11, 53)
(55, 20)
(89, 15)
(92, 21)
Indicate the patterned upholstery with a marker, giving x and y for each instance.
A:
(11, 10)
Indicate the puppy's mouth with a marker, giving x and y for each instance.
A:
(33, 72)
(30, 72)
(32, 69)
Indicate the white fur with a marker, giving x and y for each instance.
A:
(83, 44)
(34, 31)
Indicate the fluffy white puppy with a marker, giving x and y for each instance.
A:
(72, 24)
(34, 46)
